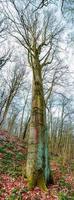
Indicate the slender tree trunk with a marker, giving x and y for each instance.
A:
(37, 166)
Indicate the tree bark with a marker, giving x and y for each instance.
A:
(37, 166)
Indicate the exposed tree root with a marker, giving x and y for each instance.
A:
(37, 180)
(41, 182)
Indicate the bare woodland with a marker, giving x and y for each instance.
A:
(36, 88)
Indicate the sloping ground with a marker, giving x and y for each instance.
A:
(13, 185)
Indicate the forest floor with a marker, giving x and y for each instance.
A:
(13, 185)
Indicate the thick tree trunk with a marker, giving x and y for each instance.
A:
(37, 166)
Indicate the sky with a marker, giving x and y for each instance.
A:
(68, 46)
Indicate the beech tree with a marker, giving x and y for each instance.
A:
(40, 42)
(6, 98)
(60, 126)
(6, 56)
